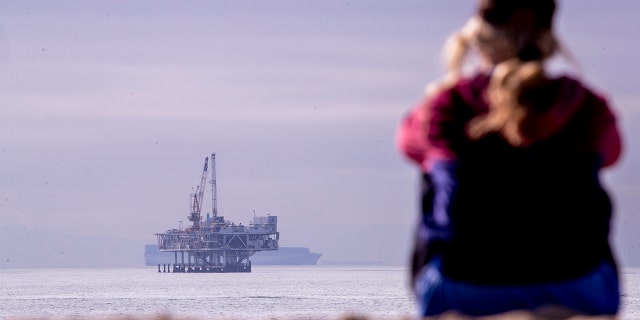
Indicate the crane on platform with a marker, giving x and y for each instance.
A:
(214, 188)
(196, 203)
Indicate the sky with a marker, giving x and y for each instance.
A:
(108, 109)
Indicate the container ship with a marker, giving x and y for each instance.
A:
(282, 256)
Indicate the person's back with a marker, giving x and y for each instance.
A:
(545, 200)
(514, 214)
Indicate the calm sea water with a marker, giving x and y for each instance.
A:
(267, 292)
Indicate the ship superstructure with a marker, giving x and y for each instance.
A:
(216, 244)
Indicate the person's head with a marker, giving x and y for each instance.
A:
(513, 39)
(502, 30)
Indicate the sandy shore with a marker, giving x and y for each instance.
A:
(517, 315)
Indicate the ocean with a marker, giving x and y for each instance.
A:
(268, 292)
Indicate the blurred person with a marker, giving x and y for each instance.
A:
(514, 216)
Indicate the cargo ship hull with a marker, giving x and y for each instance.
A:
(282, 256)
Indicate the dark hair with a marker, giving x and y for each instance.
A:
(525, 18)
(534, 14)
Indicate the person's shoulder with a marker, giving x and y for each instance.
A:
(466, 90)
(477, 80)
(576, 85)
(471, 89)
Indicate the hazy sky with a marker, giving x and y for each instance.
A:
(108, 109)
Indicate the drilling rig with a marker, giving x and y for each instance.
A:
(196, 198)
(216, 245)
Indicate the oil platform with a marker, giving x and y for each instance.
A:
(216, 245)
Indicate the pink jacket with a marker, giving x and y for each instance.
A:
(422, 139)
